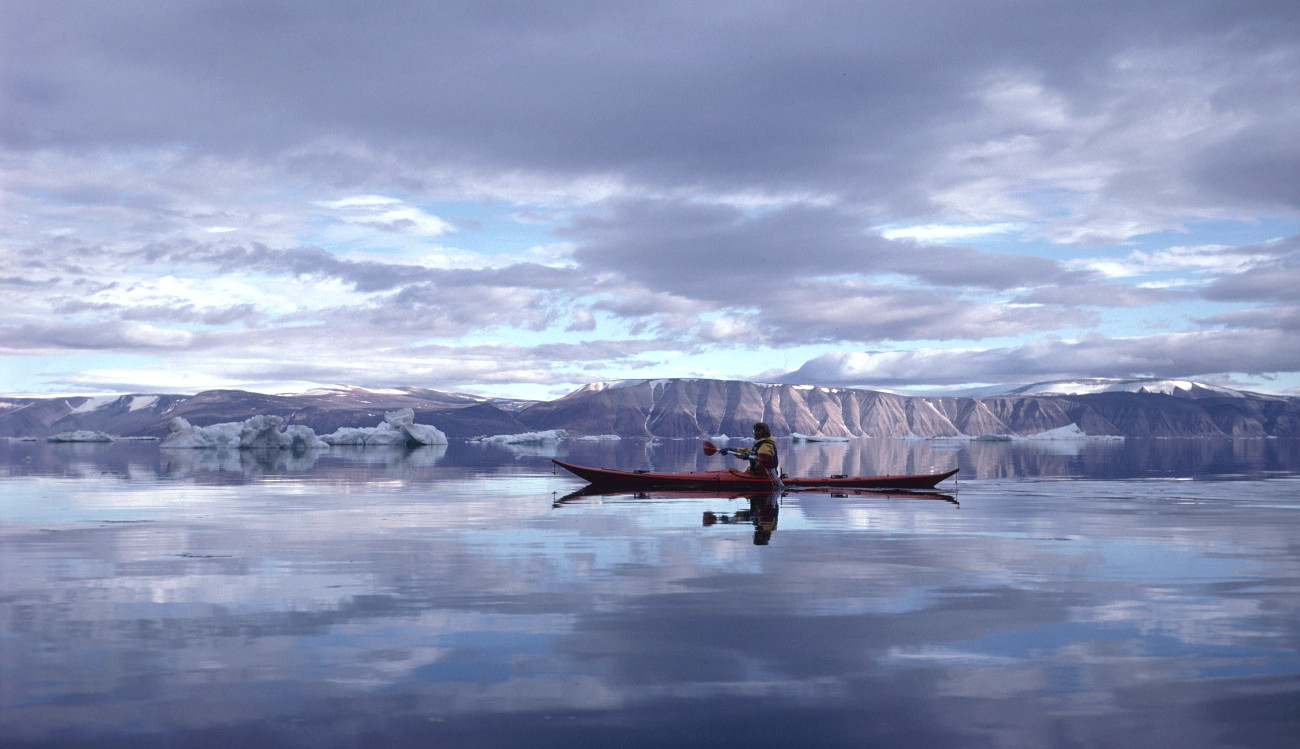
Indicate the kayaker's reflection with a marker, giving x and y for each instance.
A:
(762, 512)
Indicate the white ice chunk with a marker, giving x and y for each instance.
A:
(397, 428)
(1068, 432)
(80, 435)
(797, 437)
(256, 432)
(181, 434)
(525, 438)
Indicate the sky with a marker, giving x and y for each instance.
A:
(515, 199)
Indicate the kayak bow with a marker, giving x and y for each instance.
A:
(733, 479)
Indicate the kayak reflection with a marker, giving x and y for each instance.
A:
(764, 507)
(762, 513)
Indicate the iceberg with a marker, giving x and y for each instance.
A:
(525, 438)
(80, 435)
(255, 432)
(397, 428)
(797, 437)
(1068, 432)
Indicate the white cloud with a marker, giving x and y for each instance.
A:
(152, 335)
(948, 233)
(1202, 260)
(360, 201)
(377, 212)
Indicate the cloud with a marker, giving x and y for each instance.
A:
(713, 178)
(1272, 275)
(942, 233)
(1164, 355)
(33, 338)
(389, 215)
(854, 101)
(726, 254)
(1201, 260)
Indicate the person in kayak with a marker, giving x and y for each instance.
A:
(762, 457)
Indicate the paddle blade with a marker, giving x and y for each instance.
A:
(709, 448)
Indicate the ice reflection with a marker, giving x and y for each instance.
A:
(470, 596)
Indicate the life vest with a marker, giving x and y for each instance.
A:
(761, 459)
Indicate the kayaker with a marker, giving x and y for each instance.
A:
(762, 457)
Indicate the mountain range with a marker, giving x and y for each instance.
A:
(694, 408)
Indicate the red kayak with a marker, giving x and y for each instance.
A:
(590, 490)
(732, 479)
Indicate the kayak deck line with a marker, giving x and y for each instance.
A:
(734, 479)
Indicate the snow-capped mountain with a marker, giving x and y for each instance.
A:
(324, 410)
(695, 408)
(692, 408)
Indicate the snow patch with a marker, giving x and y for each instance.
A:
(95, 402)
(143, 401)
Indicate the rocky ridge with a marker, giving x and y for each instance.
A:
(695, 408)
(687, 408)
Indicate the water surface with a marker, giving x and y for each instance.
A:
(1095, 594)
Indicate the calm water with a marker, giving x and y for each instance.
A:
(1062, 594)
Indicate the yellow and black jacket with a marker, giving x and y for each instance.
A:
(761, 456)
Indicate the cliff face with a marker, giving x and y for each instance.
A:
(702, 408)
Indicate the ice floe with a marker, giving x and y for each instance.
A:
(797, 437)
(1067, 432)
(80, 435)
(397, 428)
(524, 438)
(252, 433)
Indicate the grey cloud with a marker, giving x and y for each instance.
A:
(1274, 280)
(726, 254)
(236, 314)
(1275, 318)
(607, 351)
(1101, 295)
(852, 97)
(364, 276)
(91, 336)
(848, 312)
